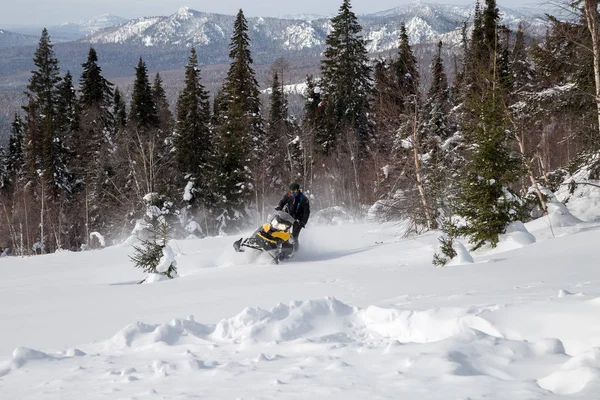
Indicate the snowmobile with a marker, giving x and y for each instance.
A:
(274, 238)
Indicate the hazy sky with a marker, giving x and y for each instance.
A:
(54, 12)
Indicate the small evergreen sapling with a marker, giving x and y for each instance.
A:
(446, 247)
(447, 251)
(154, 256)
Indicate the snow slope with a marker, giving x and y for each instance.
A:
(360, 313)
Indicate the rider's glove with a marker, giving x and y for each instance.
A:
(277, 208)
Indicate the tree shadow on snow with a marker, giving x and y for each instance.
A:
(124, 283)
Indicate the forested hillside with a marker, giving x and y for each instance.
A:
(465, 140)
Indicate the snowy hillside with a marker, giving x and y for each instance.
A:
(359, 313)
(91, 25)
(10, 39)
(424, 22)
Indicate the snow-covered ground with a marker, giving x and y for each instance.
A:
(360, 313)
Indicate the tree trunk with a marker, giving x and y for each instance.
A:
(42, 220)
(591, 17)
(418, 173)
(529, 167)
(87, 218)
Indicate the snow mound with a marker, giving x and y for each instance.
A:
(312, 319)
(322, 320)
(167, 260)
(462, 255)
(516, 236)
(139, 334)
(569, 381)
(585, 203)
(560, 216)
(423, 326)
(548, 346)
(22, 355)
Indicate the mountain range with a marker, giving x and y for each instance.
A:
(425, 22)
(164, 41)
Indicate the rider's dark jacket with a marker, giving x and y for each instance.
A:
(298, 206)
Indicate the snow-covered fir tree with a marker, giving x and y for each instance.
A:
(193, 146)
(240, 136)
(154, 255)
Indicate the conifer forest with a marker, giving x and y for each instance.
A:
(477, 145)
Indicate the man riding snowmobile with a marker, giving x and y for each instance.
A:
(298, 207)
(275, 237)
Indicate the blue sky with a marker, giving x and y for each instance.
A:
(49, 13)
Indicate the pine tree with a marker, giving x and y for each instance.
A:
(240, 130)
(486, 201)
(315, 122)
(385, 103)
(119, 111)
(437, 132)
(68, 112)
(94, 147)
(14, 158)
(192, 139)
(44, 151)
(67, 123)
(41, 115)
(438, 100)
(523, 73)
(491, 17)
(95, 89)
(161, 103)
(407, 72)
(346, 81)
(167, 179)
(154, 255)
(143, 112)
(283, 155)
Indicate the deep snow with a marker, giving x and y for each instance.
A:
(359, 313)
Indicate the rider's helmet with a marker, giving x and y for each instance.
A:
(294, 188)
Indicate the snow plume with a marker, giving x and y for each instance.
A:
(99, 237)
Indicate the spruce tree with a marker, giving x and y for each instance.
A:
(14, 160)
(440, 165)
(41, 117)
(94, 147)
(486, 201)
(192, 140)
(167, 178)
(119, 111)
(241, 134)
(44, 151)
(143, 112)
(95, 89)
(154, 255)
(283, 154)
(315, 122)
(162, 105)
(407, 72)
(438, 100)
(346, 81)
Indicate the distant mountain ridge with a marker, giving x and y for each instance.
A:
(13, 39)
(89, 26)
(425, 22)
